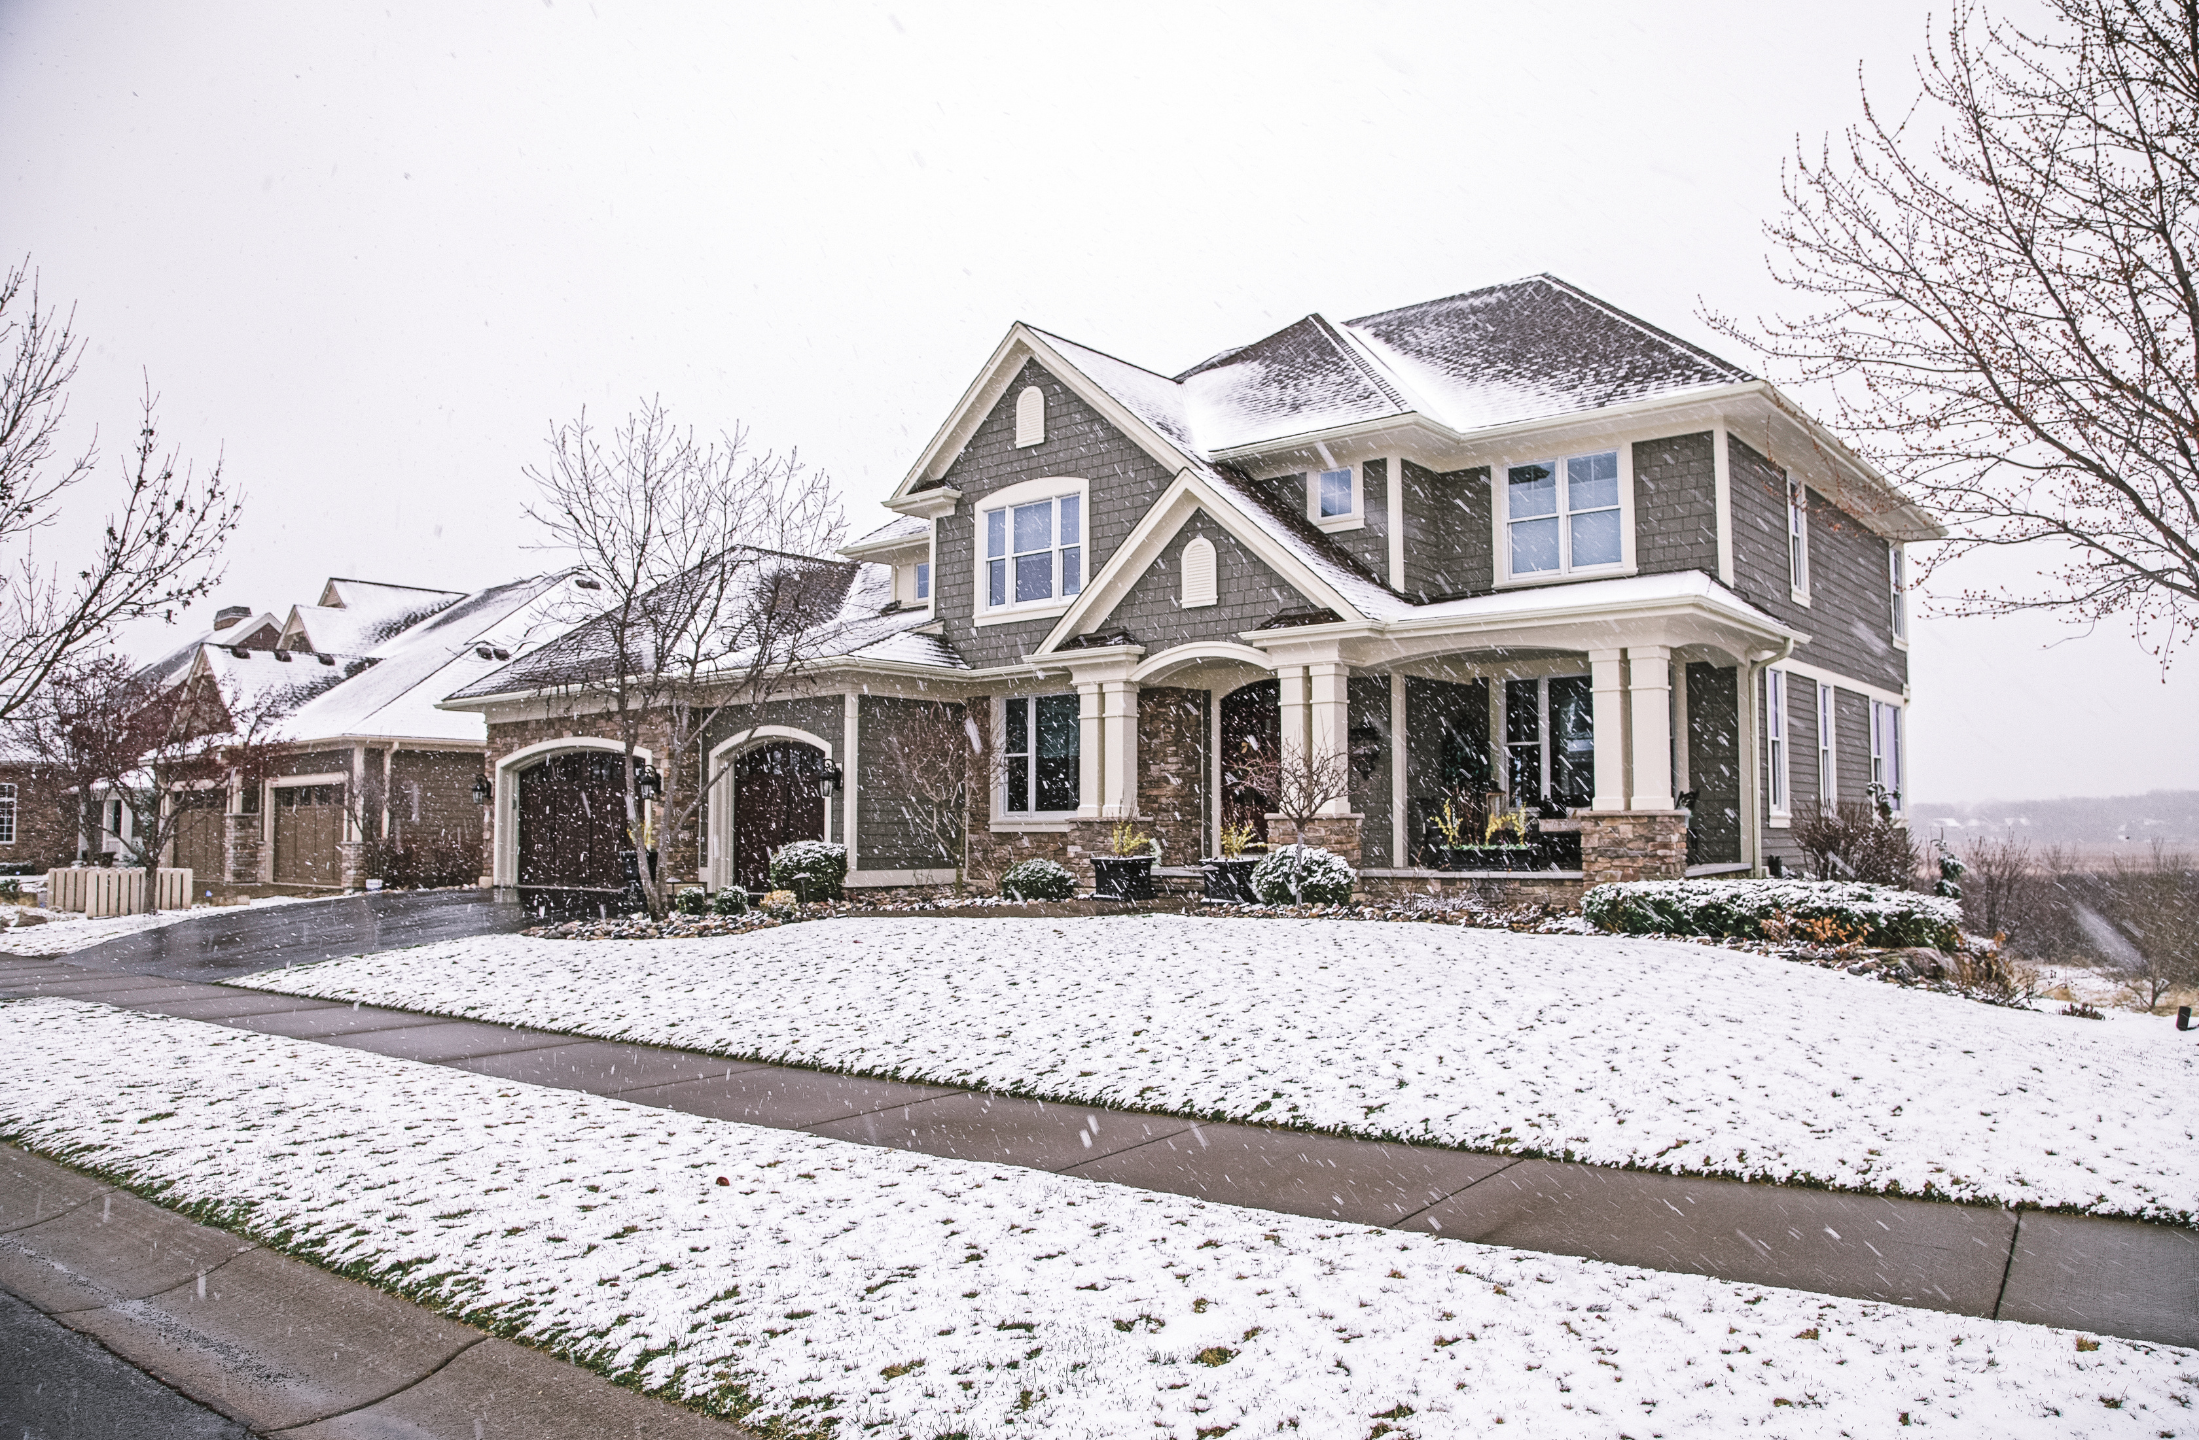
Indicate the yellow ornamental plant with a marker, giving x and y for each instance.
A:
(1128, 840)
(1513, 822)
(1450, 824)
(1235, 838)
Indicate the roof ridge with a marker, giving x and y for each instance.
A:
(1629, 318)
(1541, 275)
(1095, 350)
(1364, 362)
(391, 585)
(1223, 357)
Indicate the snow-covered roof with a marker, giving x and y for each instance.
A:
(354, 616)
(901, 530)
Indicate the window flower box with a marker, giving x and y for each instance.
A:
(1496, 857)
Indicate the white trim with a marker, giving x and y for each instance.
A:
(1721, 484)
(718, 805)
(1500, 517)
(1002, 818)
(1030, 417)
(1006, 498)
(865, 879)
(1400, 838)
(1833, 677)
(1394, 468)
(327, 777)
(1200, 585)
(1828, 757)
(1177, 657)
(850, 726)
(1778, 749)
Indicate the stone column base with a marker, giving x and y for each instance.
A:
(242, 849)
(1338, 834)
(351, 864)
(1618, 846)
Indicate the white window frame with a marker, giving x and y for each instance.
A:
(1798, 541)
(1500, 482)
(7, 814)
(1897, 584)
(1828, 775)
(1028, 492)
(1001, 813)
(1886, 756)
(1779, 791)
(1353, 519)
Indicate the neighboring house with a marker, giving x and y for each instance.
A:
(38, 816)
(1515, 539)
(370, 776)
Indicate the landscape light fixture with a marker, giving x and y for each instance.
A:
(483, 792)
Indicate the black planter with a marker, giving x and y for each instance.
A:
(1122, 877)
(1229, 880)
(1497, 857)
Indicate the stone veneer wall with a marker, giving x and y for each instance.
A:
(1172, 735)
(1623, 845)
(245, 845)
(1339, 834)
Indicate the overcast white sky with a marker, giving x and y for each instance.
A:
(369, 253)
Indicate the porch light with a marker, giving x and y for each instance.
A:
(483, 792)
(649, 784)
(828, 783)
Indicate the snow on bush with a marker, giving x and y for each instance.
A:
(822, 864)
(1827, 912)
(1320, 878)
(1666, 1055)
(824, 1287)
(1038, 880)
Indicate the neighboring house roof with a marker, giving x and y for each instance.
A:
(854, 618)
(354, 616)
(898, 533)
(172, 667)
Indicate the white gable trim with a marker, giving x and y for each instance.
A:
(1185, 498)
(1022, 344)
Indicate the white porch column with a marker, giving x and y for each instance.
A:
(850, 721)
(1119, 743)
(1649, 691)
(1328, 717)
(1400, 841)
(1609, 719)
(1090, 742)
(1292, 704)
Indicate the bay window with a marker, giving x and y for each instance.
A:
(1564, 515)
(1040, 753)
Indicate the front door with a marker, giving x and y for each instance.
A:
(572, 822)
(1252, 734)
(777, 798)
(309, 824)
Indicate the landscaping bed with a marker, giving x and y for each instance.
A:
(807, 1286)
(1682, 1057)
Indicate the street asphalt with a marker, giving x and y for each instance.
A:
(2114, 1277)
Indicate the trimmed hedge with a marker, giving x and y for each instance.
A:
(1038, 880)
(822, 864)
(1822, 912)
(1324, 878)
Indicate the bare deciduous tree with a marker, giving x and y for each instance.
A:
(2155, 903)
(158, 548)
(78, 725)
(1301, 785)
(192, 739)
(711, 598)
(2005, 299)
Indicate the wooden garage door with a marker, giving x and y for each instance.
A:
(309, 824)
(572, 822)
(198, 846)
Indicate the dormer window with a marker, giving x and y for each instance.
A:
(924, 581)
(1332, 498)
(1030, 417)
(1564, 516)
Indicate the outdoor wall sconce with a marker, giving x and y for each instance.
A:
(828, 784)
(483, 792)
(649, 784)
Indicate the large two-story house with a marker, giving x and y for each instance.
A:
(1512, 540)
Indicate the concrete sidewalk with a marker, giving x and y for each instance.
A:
(145, 1324)
(2115, 1277)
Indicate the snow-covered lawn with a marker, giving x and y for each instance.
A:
(1673, 1056)
(833, 1282)
(65, 931)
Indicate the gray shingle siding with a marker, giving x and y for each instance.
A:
(1852, 744)
(1849, 618)
(1370, 543)
(1124, 483)
(1249, 594)
(1368, 708)
(887, 838)
(1446, 532)
(1675, 505)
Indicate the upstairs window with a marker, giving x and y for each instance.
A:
(1034, 552)
(1030, 417)
(1332, 498)
(924, 580)
(1828, 783)
(1798, 540)
(1564, 515)
(1040, 755)
(1897, 582)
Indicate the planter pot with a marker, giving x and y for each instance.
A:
(1229, 880)
(1122, 877)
